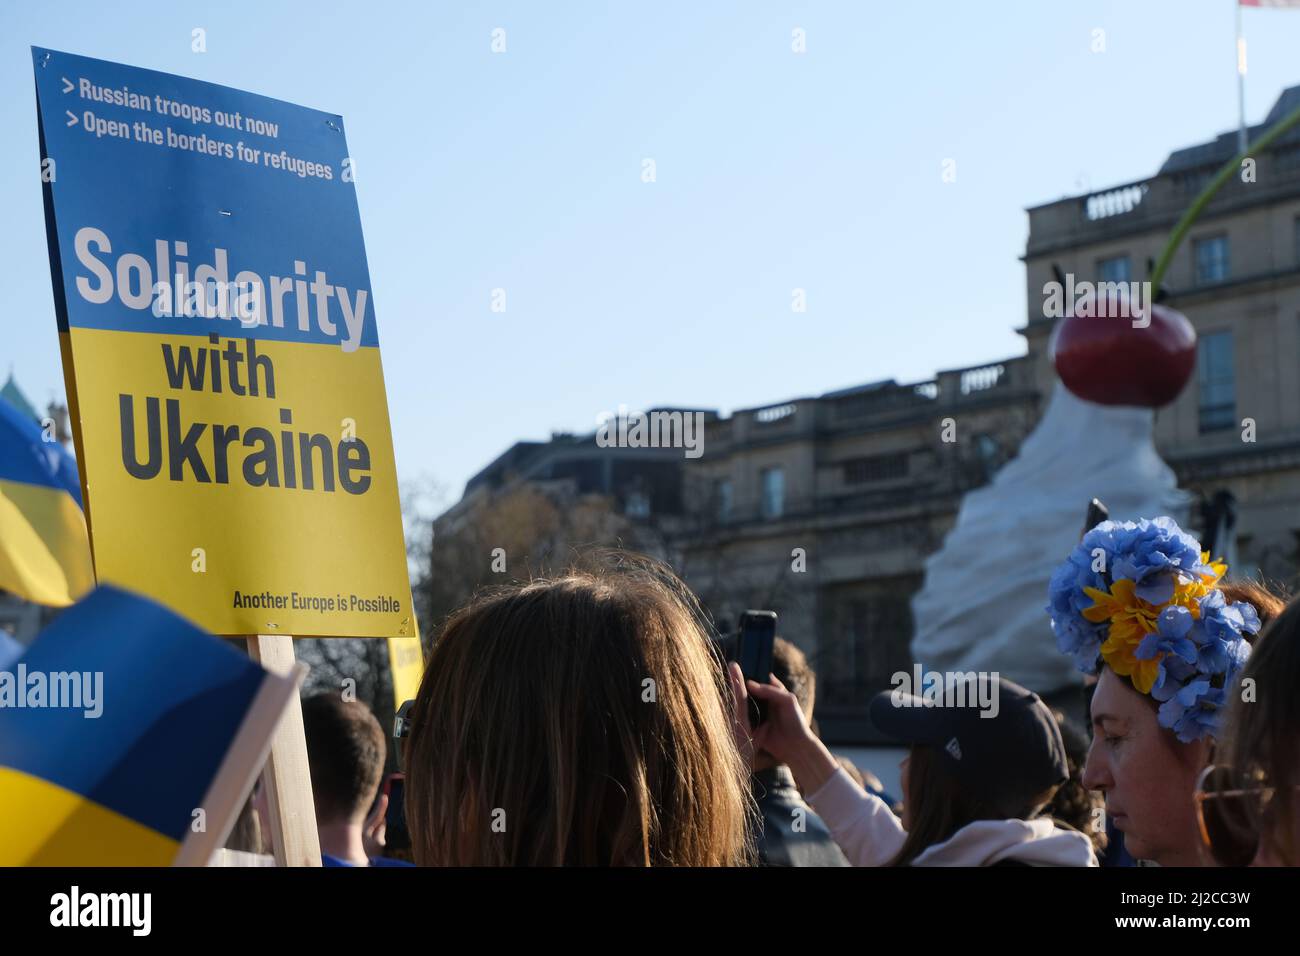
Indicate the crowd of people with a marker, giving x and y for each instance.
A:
(594, 719)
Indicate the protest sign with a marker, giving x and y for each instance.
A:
(221, 352)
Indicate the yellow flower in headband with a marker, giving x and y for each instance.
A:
(1119, 653)
(1131, 619)
(1188, 593)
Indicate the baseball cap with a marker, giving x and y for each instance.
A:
(1015, 749)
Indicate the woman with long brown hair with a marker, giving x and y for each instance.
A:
(581, 720)
(1249, 805)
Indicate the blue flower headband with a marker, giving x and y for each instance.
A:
(1142, 598)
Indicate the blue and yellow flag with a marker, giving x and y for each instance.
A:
(128, 737)
(44, 551)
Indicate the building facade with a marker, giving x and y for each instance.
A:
(824, 509)
(641, 483)
(1236, 427)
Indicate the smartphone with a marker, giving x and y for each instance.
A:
(754, 654)
(397, 836)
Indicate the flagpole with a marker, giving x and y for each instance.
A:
(1241, 83)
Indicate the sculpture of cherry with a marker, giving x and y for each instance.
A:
(1104, 358)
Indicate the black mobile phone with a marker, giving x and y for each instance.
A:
(754, 654)
(398, 837)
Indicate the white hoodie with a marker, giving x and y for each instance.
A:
(871, 835)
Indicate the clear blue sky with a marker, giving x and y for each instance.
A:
(522, 171)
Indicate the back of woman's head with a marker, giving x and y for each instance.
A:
(941, 805)
(576, 720)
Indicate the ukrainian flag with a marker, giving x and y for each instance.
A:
(158, 776)
(44, 550)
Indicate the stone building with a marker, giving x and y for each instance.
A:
(824, 509)
(1237, 278)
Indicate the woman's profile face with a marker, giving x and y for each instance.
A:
(1146, 774)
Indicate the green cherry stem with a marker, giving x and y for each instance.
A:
(1198, 205)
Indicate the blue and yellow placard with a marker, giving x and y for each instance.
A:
(221, 352)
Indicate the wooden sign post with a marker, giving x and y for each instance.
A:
(287, 777)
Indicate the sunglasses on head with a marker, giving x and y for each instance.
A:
(1229, 809)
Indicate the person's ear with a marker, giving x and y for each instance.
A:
(1198, 754)
(374, 834)
(378, 814)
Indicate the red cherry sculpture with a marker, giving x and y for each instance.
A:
(1104, 358)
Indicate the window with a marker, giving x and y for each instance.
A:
(637, 505)
(1216, 383)
(882, 629)
(990, 453)
(861, 471)
(867, 632)
(1211, 259)
(773, 492)
(1114, 269)
(774, 413)
(724, 499)
(1193, 182)
(1286, 157)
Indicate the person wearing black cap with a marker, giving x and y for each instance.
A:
(983, 763)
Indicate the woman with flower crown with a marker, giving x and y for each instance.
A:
(1142, 607)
